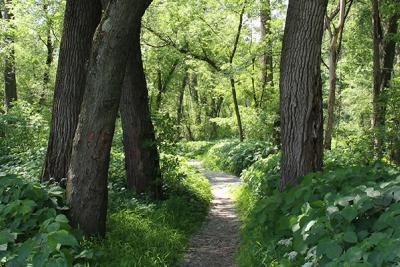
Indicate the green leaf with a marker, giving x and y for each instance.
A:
(350, 237)
(353, 254)
(330, 248)
(349, 213)
(64, 238)
(3, 247)
(6, 237)
(61, 218)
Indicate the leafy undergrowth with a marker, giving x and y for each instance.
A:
(194, 149)
(141, 232)
(32, 226)
(234, 156)
(339, 217)
(145, 233)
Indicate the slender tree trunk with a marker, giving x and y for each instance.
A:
(81, 20)
(10, 80)
(195, 97)
(377, 119)
(49, 47)
(331, 97)
(333, 61)
(237, 112)
(179, 111)
(395, 142)
(159, 90)
(253, 83)
(87, 174)
(267, 64)
(232, 80)
(141, 155)
(162, 85)
(301, 91)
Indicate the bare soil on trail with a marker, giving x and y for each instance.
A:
(216, 243)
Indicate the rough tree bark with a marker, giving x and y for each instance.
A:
(267, 64)
(80, 22)
(141, 155)
(301, 91)
(384, 50)
(10, 80)
(87, 174)
(334, 46)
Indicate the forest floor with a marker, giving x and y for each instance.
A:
(216, 243)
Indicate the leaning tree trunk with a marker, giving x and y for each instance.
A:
(301, 91)
(141, 155)
(87, 174)
(80, 22)
(237, 111)
(10, 80)
(232, 79)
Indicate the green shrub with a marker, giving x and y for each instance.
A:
(23, 129)
(194, 149)
(23, 140)
(342, 217)
(262, 176)
(32, 228)
(235, 156)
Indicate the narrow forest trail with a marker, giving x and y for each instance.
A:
(216, 243)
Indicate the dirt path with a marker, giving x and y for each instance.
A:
(217, 241)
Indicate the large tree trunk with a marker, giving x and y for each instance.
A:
(301, 91)
(267, 64)
(384, 55)
(10, 80)
(87, 175)
(80, 22)
(141, 155)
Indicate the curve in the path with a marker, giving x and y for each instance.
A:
(215, 244)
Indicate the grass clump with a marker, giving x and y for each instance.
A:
(142, 232)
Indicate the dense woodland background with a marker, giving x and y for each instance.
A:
(235, 83)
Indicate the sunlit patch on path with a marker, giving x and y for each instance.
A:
(217, 241)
